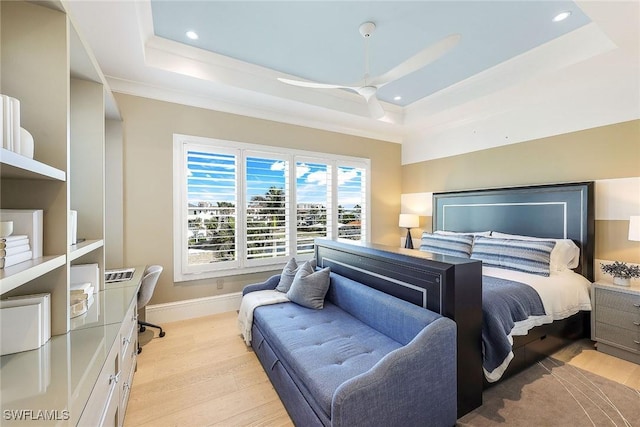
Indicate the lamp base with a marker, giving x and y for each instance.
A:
(408, 243)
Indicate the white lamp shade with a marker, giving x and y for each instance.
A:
(409, 221)
(634, 228)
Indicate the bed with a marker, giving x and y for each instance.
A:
(562, 214)
(452, 285)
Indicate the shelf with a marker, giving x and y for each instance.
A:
(19, 274)
(13, 165)
(84, 248)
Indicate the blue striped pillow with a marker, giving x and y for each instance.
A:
(520, 255)
(456, 245)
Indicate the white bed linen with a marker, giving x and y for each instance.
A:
(563, 294)
(250, 302)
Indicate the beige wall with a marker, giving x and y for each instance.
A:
(149, 126)
(602, 153)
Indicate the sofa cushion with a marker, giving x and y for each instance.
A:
(321, 349)
(309, 286)
(396, 318)
(289, 273)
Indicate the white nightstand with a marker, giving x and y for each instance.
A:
(615, 320)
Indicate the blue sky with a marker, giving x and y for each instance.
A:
(212, 178)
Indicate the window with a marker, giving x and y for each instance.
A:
(241, 208)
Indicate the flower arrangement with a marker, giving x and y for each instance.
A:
(621, 269)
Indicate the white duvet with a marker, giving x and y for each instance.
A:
(563, 294)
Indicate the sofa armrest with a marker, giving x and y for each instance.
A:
(413, 385)
(270, 283)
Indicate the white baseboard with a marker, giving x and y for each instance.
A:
(189, 309)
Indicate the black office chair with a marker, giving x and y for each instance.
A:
(149, 281)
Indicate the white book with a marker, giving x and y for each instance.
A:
(73, 227)
(23, 240)
(29, 222)
(7, 120)
(15, 126)
(85, 273)
(20, 328)
(12, 260)
(14, 250)
(45, 300)
(13, 238)
(82, 287)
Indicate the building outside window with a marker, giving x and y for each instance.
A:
(241, 208)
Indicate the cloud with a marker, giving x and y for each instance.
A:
(277, 166)
(301, 170)
(317, 178)
(345, 175)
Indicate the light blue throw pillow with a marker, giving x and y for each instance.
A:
(520, 255)
(309, 287)
(447, 244)
(288, 273)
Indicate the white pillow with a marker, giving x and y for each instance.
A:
(564, 256)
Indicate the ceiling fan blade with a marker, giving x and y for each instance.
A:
(375, 108)
(418, 61)
(313, 85)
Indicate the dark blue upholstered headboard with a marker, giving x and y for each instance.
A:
(555, 211)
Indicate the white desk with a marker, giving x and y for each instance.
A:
(66, 381)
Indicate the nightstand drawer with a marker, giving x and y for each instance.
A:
(617, 300)
(619, 336)
(615, 317)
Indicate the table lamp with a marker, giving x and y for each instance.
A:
(409, 221)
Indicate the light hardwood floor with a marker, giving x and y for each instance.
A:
(202, 374)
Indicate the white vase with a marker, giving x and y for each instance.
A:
(621, 281)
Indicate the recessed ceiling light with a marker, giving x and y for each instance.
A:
(397, 98)
(192, 35)
(561, 16)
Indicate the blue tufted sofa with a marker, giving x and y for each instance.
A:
(366, 359)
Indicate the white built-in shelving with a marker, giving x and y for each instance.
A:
(84, 248)
(20, 274)
(64, 100)
(63, 93)
(13, 165)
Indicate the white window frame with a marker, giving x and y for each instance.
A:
(184, 143)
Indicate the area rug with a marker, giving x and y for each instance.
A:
(552, 393)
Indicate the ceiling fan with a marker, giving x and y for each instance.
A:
(368, 87)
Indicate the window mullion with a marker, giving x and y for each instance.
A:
(241, 211)
(292, 214)
(333, 210)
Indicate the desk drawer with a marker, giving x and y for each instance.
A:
(128, 370)
(105, 392)
(128, 331)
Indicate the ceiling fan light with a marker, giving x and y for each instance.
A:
(561, 16)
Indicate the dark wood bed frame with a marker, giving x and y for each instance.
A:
(453, 286)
